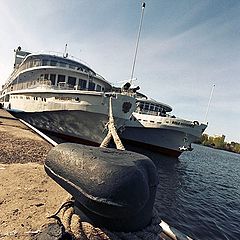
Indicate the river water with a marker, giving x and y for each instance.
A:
(199, 194)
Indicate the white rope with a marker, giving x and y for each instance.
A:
(112, 132)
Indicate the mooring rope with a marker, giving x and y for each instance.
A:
(73, 225)
(112, 132)
(80, 230)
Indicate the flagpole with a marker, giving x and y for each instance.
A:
(137, 43)
(209, 102)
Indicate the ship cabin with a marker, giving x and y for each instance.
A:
(58, 72)
(152, 107)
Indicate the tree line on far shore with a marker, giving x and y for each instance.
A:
(219, 143)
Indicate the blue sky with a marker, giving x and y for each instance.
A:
(185, 47)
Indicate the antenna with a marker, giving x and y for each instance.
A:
(209, 102)
(138, 37)
(65, 54)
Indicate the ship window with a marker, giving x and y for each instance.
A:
(30, 64)
(83, 84)
(103, 89)
(53, 63)
(98, 89)
(7, 98)
(36, 62)
(91, 86)
(140, 106)
(53, 78)
(61, 78)
(46, 76)
(151, 107)
(44, 62)
(71, 66)
(72, 81)
(146, 106)
(151, 121)
(62, 64)
(159, 122)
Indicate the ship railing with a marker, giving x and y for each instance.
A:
(64, 86)
(29, 84)
(35, 64)
(153, 113)
(148, 112)
(60, 54)
(101, 77)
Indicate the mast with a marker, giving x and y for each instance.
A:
(137, 43)
(209, 102)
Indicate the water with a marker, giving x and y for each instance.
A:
(199, 194)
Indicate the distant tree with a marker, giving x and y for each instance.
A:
(218, 142)
(204, 139)
(236, 147)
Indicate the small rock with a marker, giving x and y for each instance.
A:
(51, 231)
(39, 204)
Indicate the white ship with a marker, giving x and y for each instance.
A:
(63, 96)
(151, 126)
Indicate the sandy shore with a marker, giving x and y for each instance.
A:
(27, 194)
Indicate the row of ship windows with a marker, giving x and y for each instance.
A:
(44, 62)
(28, 98)
(173, 122)
(44, 99)
(72, 81)
(144, 120)
(146, 106)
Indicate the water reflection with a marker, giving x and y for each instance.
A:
(173, 179)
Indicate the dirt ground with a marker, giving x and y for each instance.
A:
(27, 194)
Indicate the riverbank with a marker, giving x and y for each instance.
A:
(18, 144)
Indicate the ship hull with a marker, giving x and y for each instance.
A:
(87, 127)
(167, 141)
